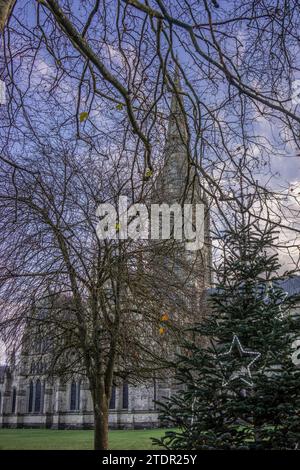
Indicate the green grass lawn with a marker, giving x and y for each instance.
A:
(47, 439)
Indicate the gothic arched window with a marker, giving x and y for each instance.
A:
(78, 397)
(125, 396)
(30, 401)
(14, 399)
(112, 403)
(73, 396)
(38, 396)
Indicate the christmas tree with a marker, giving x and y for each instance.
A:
(240, 388)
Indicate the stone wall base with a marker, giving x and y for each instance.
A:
(117, 420)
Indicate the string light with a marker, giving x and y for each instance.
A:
(269, 289)
(281, 315)
(266, 300)
(240, 374)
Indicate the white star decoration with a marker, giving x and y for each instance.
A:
(243, 371)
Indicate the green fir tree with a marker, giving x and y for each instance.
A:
(240, 388)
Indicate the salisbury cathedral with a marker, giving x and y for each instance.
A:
(30, 397)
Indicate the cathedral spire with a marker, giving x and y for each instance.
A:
(177, 125)
(171, 181)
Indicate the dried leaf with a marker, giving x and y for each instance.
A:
(165, 317)
(83, 116)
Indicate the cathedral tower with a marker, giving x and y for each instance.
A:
(180, 183)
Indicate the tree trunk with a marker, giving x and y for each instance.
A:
(100, 421)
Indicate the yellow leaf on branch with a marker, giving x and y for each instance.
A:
(165, 317)
(83, 116)
(148, 173)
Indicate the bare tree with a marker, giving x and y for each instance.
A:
(237, 64)
(103, 298)
(86, 120)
